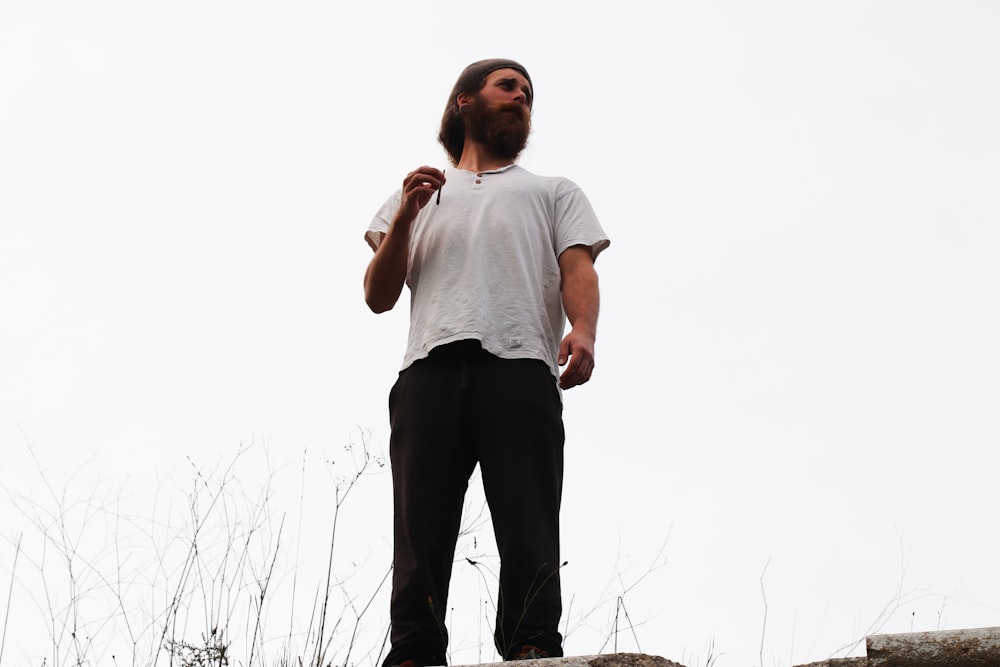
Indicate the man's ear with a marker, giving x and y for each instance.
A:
(463, 99)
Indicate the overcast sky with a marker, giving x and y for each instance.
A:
(797, 392)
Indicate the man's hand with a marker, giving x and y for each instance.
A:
(418, 188)
(578, 349)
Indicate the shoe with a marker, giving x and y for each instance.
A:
(529, 652)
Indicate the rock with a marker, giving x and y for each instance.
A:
(978, 647)
(839, 662)
(609, 660)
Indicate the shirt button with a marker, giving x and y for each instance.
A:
(478, 180)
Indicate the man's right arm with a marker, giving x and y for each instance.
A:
(386, 272)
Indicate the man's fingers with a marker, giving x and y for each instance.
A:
(578, 372)
(570, 381)
(424, 177)
(418, 187)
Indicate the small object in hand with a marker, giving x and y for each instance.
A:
(438, 202)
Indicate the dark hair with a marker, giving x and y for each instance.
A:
(471, 80)
(452, 134)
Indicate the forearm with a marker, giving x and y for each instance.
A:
(582, 299)
(386, 272)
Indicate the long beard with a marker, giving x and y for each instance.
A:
(502, 128)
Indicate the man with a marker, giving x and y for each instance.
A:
(495, 264)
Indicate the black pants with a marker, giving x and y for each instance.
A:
(449, 411)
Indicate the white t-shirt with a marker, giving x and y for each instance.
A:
(484, 263)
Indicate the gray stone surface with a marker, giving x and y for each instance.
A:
(839, 662)
(975, 647)
(609, 660)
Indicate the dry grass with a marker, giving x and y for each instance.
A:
(191, 585)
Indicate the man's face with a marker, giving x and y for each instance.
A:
(507, 85)
(500, 113)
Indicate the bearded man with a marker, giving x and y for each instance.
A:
(495, 265)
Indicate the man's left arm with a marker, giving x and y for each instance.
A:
(581, 301)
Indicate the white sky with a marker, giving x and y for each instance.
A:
(798, 375)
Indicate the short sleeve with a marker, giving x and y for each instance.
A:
(382, 220)
(575, 221)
